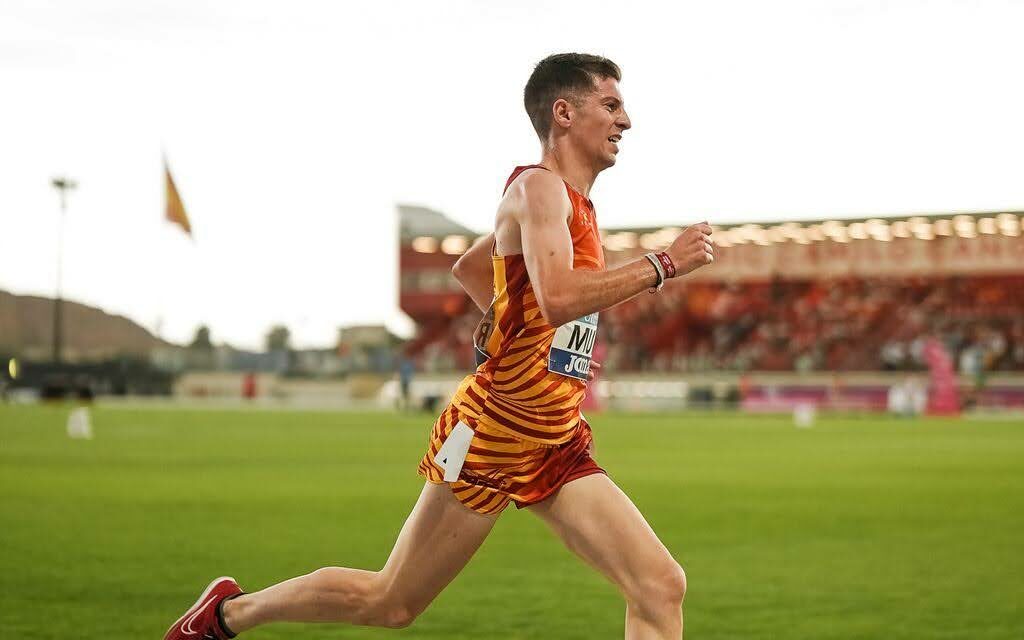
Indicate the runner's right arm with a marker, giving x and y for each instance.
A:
(563, 294)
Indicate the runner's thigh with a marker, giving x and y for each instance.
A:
(437, 540)
(599, 523)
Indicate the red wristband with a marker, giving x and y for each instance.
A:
(670, 269)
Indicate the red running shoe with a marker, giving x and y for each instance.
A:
(201, 621)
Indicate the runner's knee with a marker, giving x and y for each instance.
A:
(394, 610)
(679, 584)
(395, 616)
(662, 587)
(395, 613)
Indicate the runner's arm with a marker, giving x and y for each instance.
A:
(475, 272)
(564, 294)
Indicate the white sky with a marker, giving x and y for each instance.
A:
(293, 128)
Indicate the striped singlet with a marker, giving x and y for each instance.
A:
(533, 377)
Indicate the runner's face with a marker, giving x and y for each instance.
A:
(601, 119)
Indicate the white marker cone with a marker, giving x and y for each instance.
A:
(803, 416)
(80, 424)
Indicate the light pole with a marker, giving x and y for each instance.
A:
(63, 185)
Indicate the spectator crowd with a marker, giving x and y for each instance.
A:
(858, 324)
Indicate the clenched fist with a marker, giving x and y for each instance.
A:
(692, 248)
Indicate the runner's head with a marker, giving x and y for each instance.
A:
(575, 97)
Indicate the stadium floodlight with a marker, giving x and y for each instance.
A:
(943, 227)
(878, 229)
(901, 229)
(800, 235)
(791, 230)
(919, 225)
(736, 236)
(668, 234)
(1008, 224)
(858, 231)
(987, 226)
(63, 185)
(425, 244)
(835, 230)
(752, 233)
(619, 241)
(964, 226)
(661, 238)
(881, 233)
(924, 232)
(650, 241)
(875, 223)
(776, 234)
(455, 245)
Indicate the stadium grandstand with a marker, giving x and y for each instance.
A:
(826, 311)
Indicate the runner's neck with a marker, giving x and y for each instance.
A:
(579, 177)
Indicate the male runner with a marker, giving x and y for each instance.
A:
(513, 431)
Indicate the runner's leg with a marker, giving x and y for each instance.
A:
(438, 539)
(599, 523)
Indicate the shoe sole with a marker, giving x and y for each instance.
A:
(209, 588)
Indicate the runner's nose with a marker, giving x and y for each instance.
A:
(624, 121)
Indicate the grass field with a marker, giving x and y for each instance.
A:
(857, 528)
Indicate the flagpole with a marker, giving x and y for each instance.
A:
(174, 208)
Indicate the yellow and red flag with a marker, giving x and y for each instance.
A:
(175, 208)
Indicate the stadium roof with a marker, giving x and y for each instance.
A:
(884, 229)
(415, 221)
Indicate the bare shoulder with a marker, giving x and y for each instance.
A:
(537, 195)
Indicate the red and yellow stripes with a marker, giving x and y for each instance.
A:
(513, 391)
(500, 469)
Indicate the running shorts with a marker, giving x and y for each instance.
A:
(488, 468)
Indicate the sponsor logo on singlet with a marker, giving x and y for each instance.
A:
(572, 347)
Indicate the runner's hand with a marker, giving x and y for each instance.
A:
(692, 249)
(594, 366)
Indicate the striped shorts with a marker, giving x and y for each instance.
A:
(487, 468)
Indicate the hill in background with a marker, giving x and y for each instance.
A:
(26, 329)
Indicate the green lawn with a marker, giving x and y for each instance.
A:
(856, 528)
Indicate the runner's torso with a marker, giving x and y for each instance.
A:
(532, 377)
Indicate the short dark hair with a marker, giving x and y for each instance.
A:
(563, 75)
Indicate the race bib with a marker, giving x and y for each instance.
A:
(572, 347)
(452, 454)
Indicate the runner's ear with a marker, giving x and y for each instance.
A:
(561, 113)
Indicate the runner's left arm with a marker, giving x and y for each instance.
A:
(475, 272)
